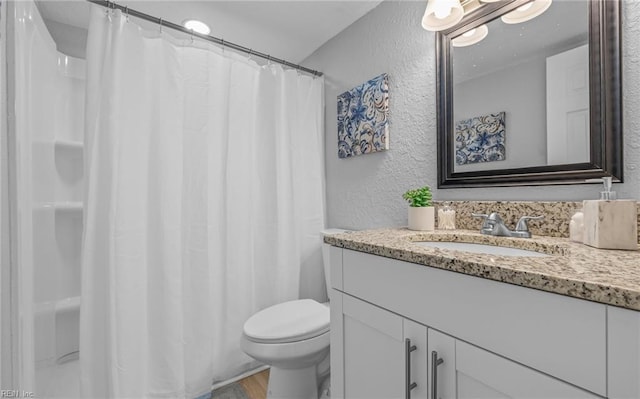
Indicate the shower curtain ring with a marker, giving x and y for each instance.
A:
(126, 13)
(250, 53)
(109, 10)
(160, 25)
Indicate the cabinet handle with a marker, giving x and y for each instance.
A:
(435, 362)
(408, 348)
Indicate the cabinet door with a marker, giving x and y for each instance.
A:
(468, 372)
(372, 352)
(376, 353)
(623, 353)
(441, 349)
(416, 350)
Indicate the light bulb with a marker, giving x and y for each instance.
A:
(469, 33)
(526, 12)
(442, 14)
(470, 37)
(442, 9)
(197, 26)
(525, 7)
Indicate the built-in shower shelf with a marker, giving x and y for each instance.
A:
(69, 145)
(62, 206)
(70, 304)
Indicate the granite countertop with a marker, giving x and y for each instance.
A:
(607, 276)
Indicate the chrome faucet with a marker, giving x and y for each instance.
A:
(494, 225)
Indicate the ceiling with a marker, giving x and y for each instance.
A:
(563, 26)
(291, 30)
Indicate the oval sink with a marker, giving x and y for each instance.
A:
(479, 248)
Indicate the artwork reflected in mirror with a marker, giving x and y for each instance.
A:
(480, 139)
(521, 89)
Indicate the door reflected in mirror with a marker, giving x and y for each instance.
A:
(521, 91)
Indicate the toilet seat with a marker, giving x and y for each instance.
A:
(288, 322)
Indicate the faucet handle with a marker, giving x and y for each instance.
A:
(522, 223)
(484, 217)
(486, 225)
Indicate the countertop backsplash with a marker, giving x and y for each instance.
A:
(557, 214)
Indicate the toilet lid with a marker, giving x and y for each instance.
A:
(288, 322)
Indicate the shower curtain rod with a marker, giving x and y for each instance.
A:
(134, 13)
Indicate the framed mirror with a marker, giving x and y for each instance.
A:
(530, 101)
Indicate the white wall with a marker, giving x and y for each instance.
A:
(365, 191)
(519, 91)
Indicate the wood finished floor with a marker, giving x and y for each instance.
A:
(255, 386)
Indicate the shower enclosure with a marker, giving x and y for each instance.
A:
(49, 124)
(154, 196)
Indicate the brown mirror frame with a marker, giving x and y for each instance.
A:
(605, 102)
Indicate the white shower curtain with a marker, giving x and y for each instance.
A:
(204, 196)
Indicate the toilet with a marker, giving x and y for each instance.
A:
(293, 338)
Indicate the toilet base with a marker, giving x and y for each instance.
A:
(292, 384)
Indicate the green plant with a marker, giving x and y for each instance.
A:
(419, 197)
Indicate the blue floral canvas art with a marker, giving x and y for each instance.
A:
(363, 118)
(481, 139)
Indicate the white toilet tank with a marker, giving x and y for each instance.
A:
(325, 255)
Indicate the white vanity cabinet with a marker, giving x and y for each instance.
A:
(377, 344)
(468, 372)
(496, 340)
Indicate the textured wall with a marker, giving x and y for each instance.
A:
(365, 191)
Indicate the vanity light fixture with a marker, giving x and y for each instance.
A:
(526, 12)
(442, 14)
(470, 37)
(197, 26)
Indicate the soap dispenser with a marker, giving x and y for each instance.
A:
(610, 223)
